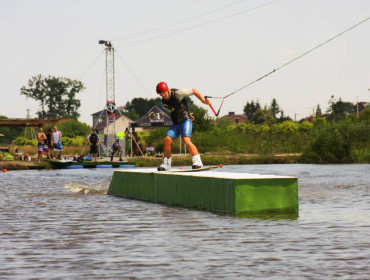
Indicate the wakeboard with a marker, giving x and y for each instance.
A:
(195, 170)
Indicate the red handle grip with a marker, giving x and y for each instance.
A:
(210, 105)
(214, 112)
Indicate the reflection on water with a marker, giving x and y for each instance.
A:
(49, 228)
(267, 216)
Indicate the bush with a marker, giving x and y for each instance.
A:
(76, 142)
(305, 126)
(72, 129)
(21, 141)
(340, 142)
(286, 127)
(320, 142)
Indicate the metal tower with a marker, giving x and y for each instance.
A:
(110, 106)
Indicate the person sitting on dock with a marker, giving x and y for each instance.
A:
(150, 150)
(174, 100)
(93, 140)
(41, 144)
(21, 155)
(116, 149)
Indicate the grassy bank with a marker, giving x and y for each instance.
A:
(23, 165)
(345, 140)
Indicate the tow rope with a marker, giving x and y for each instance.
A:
(280, 67)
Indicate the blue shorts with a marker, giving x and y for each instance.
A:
(58, 147)
(176, 129)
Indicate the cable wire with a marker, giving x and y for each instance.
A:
(101, 88)
(198, 25)
(133, 74)
(92, 64)
(289, 62)
(177, 22)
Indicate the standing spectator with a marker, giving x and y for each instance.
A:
(93, 140)
(57, 143)
(135, 142)
(127, 142)
(48, 141)
(116, 149)
(41, 144)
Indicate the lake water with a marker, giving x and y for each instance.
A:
(51, 228)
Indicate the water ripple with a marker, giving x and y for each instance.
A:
(50, 229)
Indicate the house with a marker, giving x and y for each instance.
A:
(236, 118)
(361, 106)
(99, 120)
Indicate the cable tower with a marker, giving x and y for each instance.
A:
(110, 106)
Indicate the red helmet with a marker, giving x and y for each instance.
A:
(161, 87)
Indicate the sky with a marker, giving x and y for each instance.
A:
(215, 46)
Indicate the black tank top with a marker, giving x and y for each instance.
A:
(177, 106)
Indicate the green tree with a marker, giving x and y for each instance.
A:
(223, 123)
(341, 108)
(338, 109)
(318, 111)
(250, 110)
(57, 96)
(283, 117)
(10, 133)
(365, 116)
(274, 108)
(141, 106)
(264, 116)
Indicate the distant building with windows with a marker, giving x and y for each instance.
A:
(99, 121)
(235, 118)
(361, 106)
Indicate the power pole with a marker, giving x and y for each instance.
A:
(110, 105)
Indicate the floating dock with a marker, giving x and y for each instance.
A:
(59, 164)
(214, 191)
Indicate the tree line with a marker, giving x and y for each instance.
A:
(57, 97)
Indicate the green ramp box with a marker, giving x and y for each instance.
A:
(215, 191)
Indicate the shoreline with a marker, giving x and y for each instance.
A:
(180, 160)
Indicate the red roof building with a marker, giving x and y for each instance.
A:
(236, 118)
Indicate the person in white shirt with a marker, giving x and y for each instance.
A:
(57, 143)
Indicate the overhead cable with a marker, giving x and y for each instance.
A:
(92, 64)
(198, 25)
(177, 22)
(287, 63)
(133, 74)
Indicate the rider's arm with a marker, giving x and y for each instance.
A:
(189, 92)
(200, 97)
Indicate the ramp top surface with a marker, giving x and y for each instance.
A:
(209, 174)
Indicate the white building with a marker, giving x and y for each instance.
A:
(99, 122)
